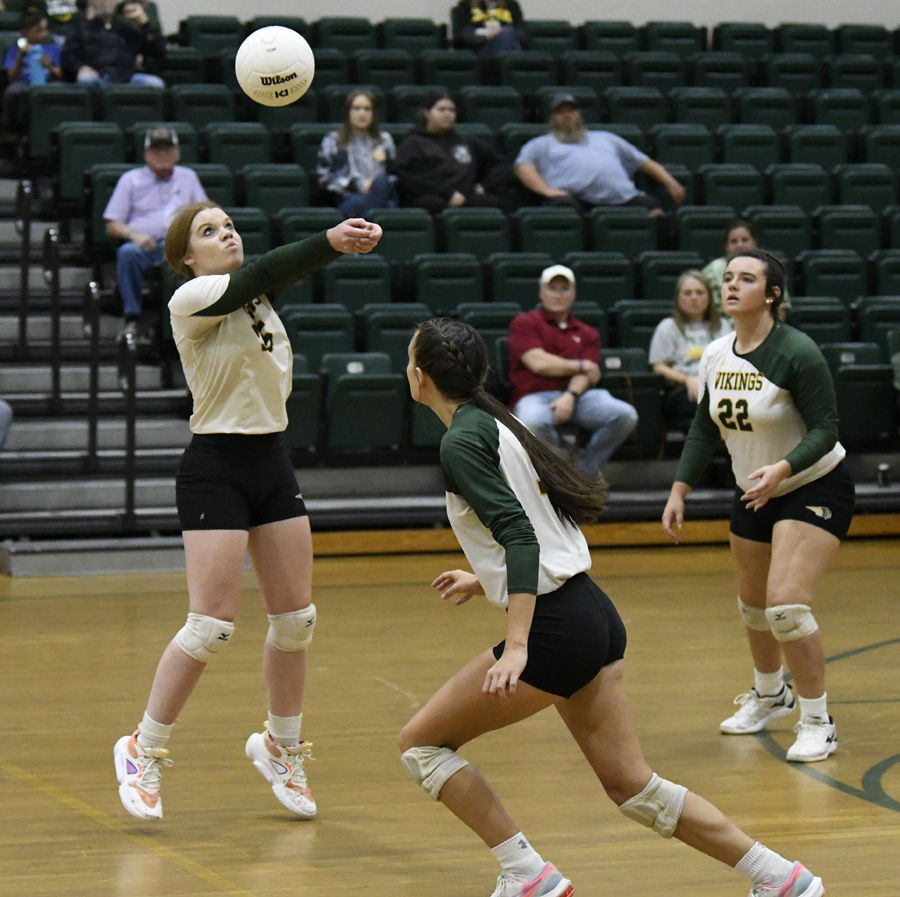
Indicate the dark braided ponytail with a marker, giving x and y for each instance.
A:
(454, 355)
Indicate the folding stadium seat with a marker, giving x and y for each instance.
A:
(217, 181)
(755, 145)
(772, 106)
(823, 145)
(515, 276)
(237, 144)
(891, 226)
(188, 140)
(856, 228)
(683, 38)
(623, 360)
(383, 68)
(453, 69)
(255, 228)
(610, 37)
(404, 101)
(707, 106)
(688, 145)
(491, 106)
(636, 321)
(357, 280)
(333, 97)
(840, 354)
(632, 133)
(626, 229)
(443, 278)
(365, 402)
(662, 70)
(389, 328)
(514, 136)
(412, 35)
(591, 68)
(874, 40)
(727, 71)
(660, 271)
(785, 228)
(807, 186)
(867, 406)
(822, 322)
(490, 319)
(528, 70)
(305, 142)
(303, 406)
(479, 232)
(641, 106)
(126, 104)
(180, 65)
(847, 109)
(280, 119)
(877, 316)
(210, 35)
(272, 187)
(345, 33)
(477, 128)
(797, 72)
(297, 224)
(886, 268)
(881, 143)
(587, 98)
(737, 186)
(700, 229)
(315, 330)
(805, 38)
(295, 23)
(871, 184)
(202, 104)
(556, 36)
(681, 173)
(833, 272)
(79, 145)
(857, 72)
(407, 233)
(887, 106)
(99, 181)
(332, 67)
(603, 278)
(750, 39)
(50, 104)
(550, 229)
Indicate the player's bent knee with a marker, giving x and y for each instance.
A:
(430, 767)
(203, 637)
(791, 622)
(753, 617)
(658, 806)
(292, 632)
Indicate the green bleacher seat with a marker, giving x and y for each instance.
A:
(100, 180)
(847, 109)
(555, 230)
(751, 39)
(295, 23)
(515, 276)
(127, 104)
(603, 278)
(807, 186)
(255, 228)
(806, 37)
(202, 104)
(797, 72)
(407, 233)
(298, 224)
(303, 408)
(48, 105)
(683, 38)
(872, 184)
(357, 280)
(680, 144)
(485, 132)
(217, 181)
(726, 71)
(188, 140)
(641, 106)
(660, 271)
(514, 136)
(635, 135)
(272, 187)
(404, 102)
(306, 138)
(383, 68)
(617, 37)
(332, 67)
(594, 316)
(315, 330)
(707, 106)
(333, 98)
(772, 106)
(886, 268)
(874, 40)
(425, 427)
(833, 272)
(681, 173)
(877, 316)
(452, 69)
(626, 229)
(662, 70)
(867, 407)
(856, 71)
(79, 145)
(491, 106)
(624, 360)
(237, 144)
(823, 145)
(479, 232)
(785, 228)
(180, 65)
(821, 322)
(555, 36)
(756, 145)
(443, 278)
(389, 328)
(855, 228)
(527, 70)
(587, 98)
(887, 106)
(881, 143)
(737, 186)
(210, 35)
(839, 354)
(891, 226)
(412, 35)
(700, 229)
(490, 319)
(591, 68)
(346, 33)
(280, 119)
(637, 320)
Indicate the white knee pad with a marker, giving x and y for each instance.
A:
(791, 622)
(754, 617)
(292, 632)
(658, 806)
(203, 637)
(430, 767)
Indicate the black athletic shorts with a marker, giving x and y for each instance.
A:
(826, 503)
(234, 481)
(576, 631)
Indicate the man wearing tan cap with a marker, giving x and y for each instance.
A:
(554, 368)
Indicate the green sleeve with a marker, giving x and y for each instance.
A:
(701, 442)
(272, 272)
(472, 469)
(812, 390)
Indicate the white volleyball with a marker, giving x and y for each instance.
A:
(275, 66)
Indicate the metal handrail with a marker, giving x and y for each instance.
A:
(51, 277)
(128, 385)
(24, 196)
(91, 324)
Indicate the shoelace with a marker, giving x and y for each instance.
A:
(153, 761)
(300, 752)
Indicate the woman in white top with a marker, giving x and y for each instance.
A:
(236, 492)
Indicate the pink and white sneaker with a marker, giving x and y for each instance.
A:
(138, 770)
(283, 767)
(800, 883)
(550, 883)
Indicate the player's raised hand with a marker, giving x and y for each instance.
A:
(354, 235)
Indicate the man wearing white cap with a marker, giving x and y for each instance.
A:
(554, 368)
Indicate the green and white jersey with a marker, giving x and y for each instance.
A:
(506, 526)
(774, 403)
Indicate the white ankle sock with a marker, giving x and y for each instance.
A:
(769, 683)
(763, 866)
(285, 730)
(152, 734)
(814, 707)
(517, 856)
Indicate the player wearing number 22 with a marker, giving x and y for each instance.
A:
(767, 391)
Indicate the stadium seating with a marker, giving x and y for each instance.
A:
(355, 281)
(603, 278)
(444, 278)
(303, 407)
(624, 229)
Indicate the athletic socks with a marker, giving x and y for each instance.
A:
(285, 730)
(152, 734)
(814, 708)
(769, 684)
(762, 866)
(518, 857)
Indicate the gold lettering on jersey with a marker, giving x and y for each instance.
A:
(739, 381)
(259, 326)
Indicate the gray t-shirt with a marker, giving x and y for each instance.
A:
(599, 170)
(682, 351)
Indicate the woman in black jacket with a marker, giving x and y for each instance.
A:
(488, 27)
(437, 167)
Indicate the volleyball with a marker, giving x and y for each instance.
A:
(274, 66)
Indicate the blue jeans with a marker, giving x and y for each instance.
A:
(504, 42)
(6, 417)
(610, 422)
(131, 263)
(141, 78)
(380, 196)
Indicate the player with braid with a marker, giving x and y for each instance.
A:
(515, 506)
(236, 491)
(767, 391)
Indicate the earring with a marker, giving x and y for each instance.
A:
(768, 301)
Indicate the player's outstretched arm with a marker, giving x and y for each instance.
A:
(354, 235)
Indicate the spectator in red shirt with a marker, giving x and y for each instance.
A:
(554, 368)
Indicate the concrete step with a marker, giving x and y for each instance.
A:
(9, 235)
(88, 495)
(36, 379)
(70, 277)
(63, 435)
(71, 327)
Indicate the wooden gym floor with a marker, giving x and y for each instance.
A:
(77, 656)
